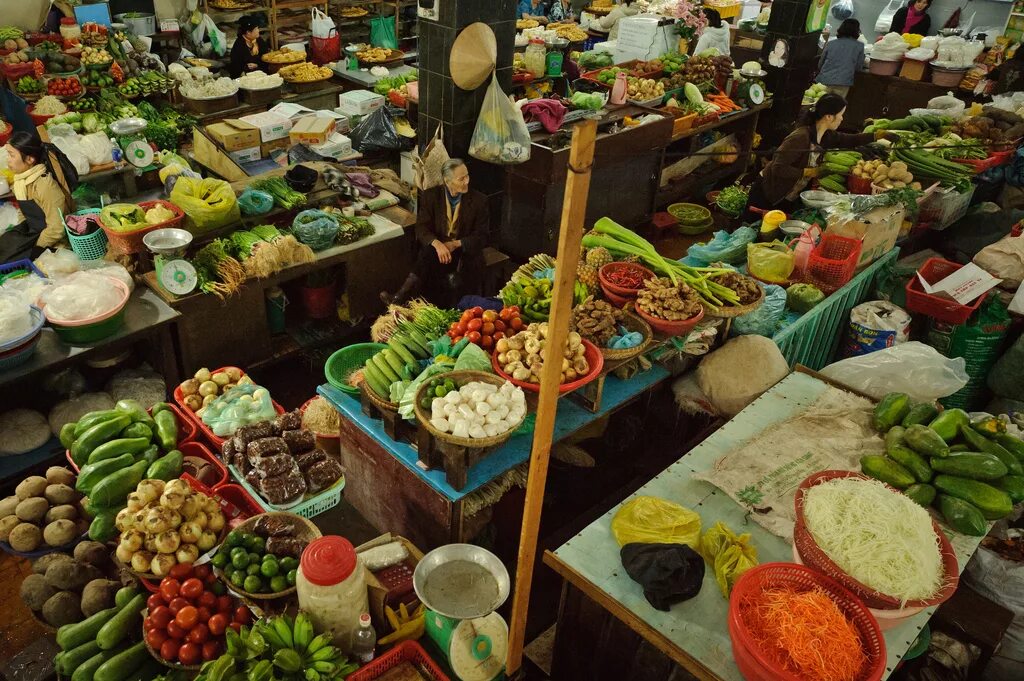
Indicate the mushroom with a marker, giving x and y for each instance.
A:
(124, 554)
(216, 522)
(157, 520)
(124, 519)
(135, 502)
(171, 499)
(189, 508)
(201, 519)
(150, 490)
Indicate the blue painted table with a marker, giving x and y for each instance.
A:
(694, 633)
(388, 486)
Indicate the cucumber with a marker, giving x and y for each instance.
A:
(167, 467)
(963, 516)
(973, 465)
(894, 436)
(389, 374)
(1012, 444)
(402, 352)
(374, 379)
(115, 488)
(118, 627)
(68, 661)
(890, 410)
(948, 423)
(983, 444)
(885, 469)
(124, 595)
(149, 670)
(925, 441)
(959, 448)
(921, 494)
(87, 670)
(920, 414)
(393, 361)
(1013, 485)
(912, 461)
(92, 473)
(993, 503)
(103, 527)
(123, 664)
(73, 635)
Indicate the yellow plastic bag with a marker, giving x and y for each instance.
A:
(650, 520)
(729, 555)
(208, 203)
(772, 262)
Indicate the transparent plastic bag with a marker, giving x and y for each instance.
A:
(500, 135)
(15, 317)
(110, 269)
(208, 203)
(771, 262)
(255, 202)
(28, 288)
(764, 320)
(315, 228)
(650, 520)
(57, 262)
(80, 296)
(914, 368)
(723, 247)
(244, 404)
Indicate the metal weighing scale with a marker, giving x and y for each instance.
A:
(749, 88)
(461, 586)
(168, 245)
(136, 149)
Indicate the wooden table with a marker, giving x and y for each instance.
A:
(387, 485)
(604, 610)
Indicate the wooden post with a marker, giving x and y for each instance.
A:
(574, 209)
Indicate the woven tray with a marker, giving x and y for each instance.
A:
(632, 323)
(376, 399)
(156, 654)
(461, 378)
(727, 311)
(305, 529)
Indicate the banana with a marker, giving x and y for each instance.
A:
(312, 675)
(324, 667)
(271, 636)
(302, 632)
(284, 630)
(321, 642)
(324, 654)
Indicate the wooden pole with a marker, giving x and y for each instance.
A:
(574, 209)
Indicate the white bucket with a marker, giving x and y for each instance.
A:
(140, 23)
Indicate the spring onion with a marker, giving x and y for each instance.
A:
(284, 196)
(217, 271)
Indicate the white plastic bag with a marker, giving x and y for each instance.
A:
(207, 29)
(914, 368)
(500, 135)
(884, 21)
(322, 24)
(944, 105)
(57, 262)
(15, 317)
(96, 147)
(80, 296)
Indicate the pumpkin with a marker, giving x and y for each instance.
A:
(730, 153)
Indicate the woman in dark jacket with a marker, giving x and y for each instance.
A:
(249, 47)
(452, 228)
(912, 18)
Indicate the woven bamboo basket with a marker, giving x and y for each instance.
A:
(460, 378)
(632, 323)
(376, 399)
(304, 529)
(727, 311)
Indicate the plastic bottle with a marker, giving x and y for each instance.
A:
(364, 640)
(116, 155)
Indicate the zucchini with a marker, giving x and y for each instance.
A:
(115, 448)
(68, 661)
(115, 489)
(92, 418)
(73, 635)
(103, 527)
(124, 595)
(123, 664)
(973, 465)
(921, 494)
(167, 467)
(912, 461)
(890, 410)
(925, 441)
(118, 627)
(894, 436)
(885, 469)
(963, 516)
(993, 503)
(920, 414)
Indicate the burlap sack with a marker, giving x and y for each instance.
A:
(737, 373)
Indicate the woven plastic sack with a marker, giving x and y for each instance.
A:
(723, 247)
(771, 262)
(255, 202)
(650, 520)
(500, 135)
(315, 228)
(208, 203)
(763, 321)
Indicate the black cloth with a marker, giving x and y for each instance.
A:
(757, 199)
(445, 284)
(900, 18)
(242, 56)
(668, 573)
(19, 242)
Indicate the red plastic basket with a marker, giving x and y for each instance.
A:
(754, 664)
(996, 158)
(186, 431)
(406, 651)
(812, 555)
(324, 50)
(16, 71)
(858, 185)
(201, 427)
(594, 359)
(201, 451)
(240, 499)
(131, 242)
(833, 262)
(940, 309)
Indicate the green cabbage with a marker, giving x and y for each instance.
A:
(473, 358)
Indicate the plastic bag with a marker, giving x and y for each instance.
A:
(97, 147)
(57, 262)
(763, 321)
(321, 24)
(884, 21)
(376, 132)
(28, 288)
(382, 33)
(110, 269)
(723, 247)
(500, 135)
(255, 202)
(315, 228)
(914, 368)
(843, 10)
(229, 412)
(771, 262)
(729, 554)
(651, 520)
(208, 203)
(15, 317)
(874, 326)
(207, 29)
(80, 296)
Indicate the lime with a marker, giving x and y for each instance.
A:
(439, 391)
(233, 539)
(255, 543)
(292, 574)
(270, 568)
(253, 584)
(238, 578)
(254, 557)
(449, 384)
(221, 560)
(425, 402)
(289, 563)
(253, 569)
(239, 561)
(278, 583)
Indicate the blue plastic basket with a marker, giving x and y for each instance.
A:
(20, 355)
(18, 268)
(91, 246)
(38, 319)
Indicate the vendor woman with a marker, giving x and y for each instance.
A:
(795, 162)
(43, 190)
(452, 230)
(249, 47)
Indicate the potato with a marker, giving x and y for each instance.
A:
(32, 510)
(35, 592)
(64, 607)
(25, 537)
(92, 553)
(22, 44)
(59, 494)
(60, 532)
(98, 595)
(71, 575)
(10, 45)
(8, 505)
(62, 512)
(33, 486)
(41, 564)
(8, 523)
(56, 475)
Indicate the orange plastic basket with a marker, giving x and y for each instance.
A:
(833, 262)
(131, 242)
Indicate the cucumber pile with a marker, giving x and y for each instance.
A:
(399, 361)
(838, 164)
(971, 472)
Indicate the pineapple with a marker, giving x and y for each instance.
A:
(587, 275)
(598, 257)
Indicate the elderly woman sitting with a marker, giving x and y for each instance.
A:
(452, 228)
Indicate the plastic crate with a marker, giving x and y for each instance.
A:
(944, 207)
(406, 651)
(833, 262)
(935, 270)
(202, 428)
(131, 242)
(201, 451)
(307, 508)
(813, 339)
(237, 496)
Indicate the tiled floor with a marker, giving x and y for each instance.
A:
(17, 626)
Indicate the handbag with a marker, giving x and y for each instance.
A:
(427, 166)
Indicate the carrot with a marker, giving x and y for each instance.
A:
(805, 633)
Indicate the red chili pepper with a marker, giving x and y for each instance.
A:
(627, 278)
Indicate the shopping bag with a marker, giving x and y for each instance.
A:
(207, 30)
(500, 135)
(884, 21)
(321, 24)
(382, 33)
(376, 132)
(771, 262)
(427, 166)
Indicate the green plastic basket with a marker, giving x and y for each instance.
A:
(91, 246)
(90, 333)
(309, 507)
(345, 361)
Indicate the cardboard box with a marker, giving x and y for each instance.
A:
(878, 229)
(913, 69)
(336, 146)
(359, 102)
(271, 126)
(267, 147)
(246, 155)
(312, 130)
(234, 134)
(378, 595)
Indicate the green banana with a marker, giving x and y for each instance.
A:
(302, 632)
(320, 642)
(312, 675)
(271, 636)
(284, 630)
(325, 654)
(288, 661)
(324, 667)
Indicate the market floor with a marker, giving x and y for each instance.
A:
(17, 626)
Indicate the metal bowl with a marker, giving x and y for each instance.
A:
(794, 227)
(813, 198)
(489, 596)
(167, 241)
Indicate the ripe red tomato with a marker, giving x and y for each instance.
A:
(224, 604)
(473, 336)
(200, 634)
(181, 571)
(487, 342)
(499, 325)
(218, 623)
(147, 623)
(211, 650)
(161, 616)
(474, 324)
(208, 599)
(192, 588)
(242, 615)
(154, 602)
(202, 572)
(498, 335)
(516, 323)
(204, 613)
(477, 311)
(488, 328)
(505, 314)
(489, 316)
(190, 653)
(461, 328)
(174, 631)
(187, 617)
(466, 316)
(169, 588)
(169, 650)
(156, 637)
(177, 604)
(236, 626)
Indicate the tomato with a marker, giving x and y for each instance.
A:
(242, 615)
(477, 311)
(154, 602)
(161, 616)
(218, 623)
(181, 571)
(204, 613)
(466, 316)
(202, 572)
(156, 637)
(462, 328)
(505, 314)
(169, 650)
(514, 310)
(200, 634)
(516, 323)
(489, 315)
(474, 325)
(178, 604)
(190, 653)
(211, 650)
(174, 631)
(224, 604)
(499, 325)
(488, 328)
(498, 335)
(236, 626)
(191, 588)
(169, 588)
(487, 342)
(187, 617)
(474, 337)
(208, 599)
